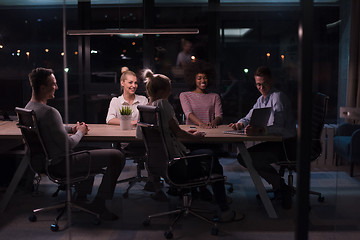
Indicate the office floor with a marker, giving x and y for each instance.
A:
(337, 218)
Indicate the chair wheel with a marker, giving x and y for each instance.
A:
(33, 218)
(321, 199)
(54, 227)
(214, 231)
(168, 235)
(146, 222)
(126, 195)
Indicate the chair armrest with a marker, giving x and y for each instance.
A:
(86, 176)
(202, 180)
(83, 176)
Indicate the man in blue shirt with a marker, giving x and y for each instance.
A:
(281, 122)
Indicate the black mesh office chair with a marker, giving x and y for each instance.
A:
(158, 164)
(320, 102)
(38, 159)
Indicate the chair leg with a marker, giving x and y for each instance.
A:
(62, 207)
(231, 187)
(181, 212)
(291, 183)
(132, 180)
(58, 206)
(321, 198)
(352, 169)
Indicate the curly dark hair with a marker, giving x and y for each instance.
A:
(194, 68)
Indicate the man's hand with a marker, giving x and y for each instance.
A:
(83, 127)
(252, 130)
(236, 126)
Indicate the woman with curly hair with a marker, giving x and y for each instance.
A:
(201, 107)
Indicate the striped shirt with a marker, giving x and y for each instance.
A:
(206, 107)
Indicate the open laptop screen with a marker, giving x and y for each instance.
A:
(260, 117)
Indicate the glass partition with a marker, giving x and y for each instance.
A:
(235, 37)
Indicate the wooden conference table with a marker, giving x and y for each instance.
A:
(112, 133)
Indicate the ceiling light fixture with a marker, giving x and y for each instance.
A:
(98, 32)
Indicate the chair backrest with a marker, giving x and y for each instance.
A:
(157, 153)
(320, 103)
(36, 150)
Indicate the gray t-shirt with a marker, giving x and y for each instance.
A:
(53, 131)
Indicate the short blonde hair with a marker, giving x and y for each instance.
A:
(155, 83)
(124, 74)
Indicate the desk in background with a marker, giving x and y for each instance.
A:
(112, 133)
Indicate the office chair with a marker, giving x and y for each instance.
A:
(139, 160)
(320, 102)
(158, 164)
(346, 144)
(38, 160)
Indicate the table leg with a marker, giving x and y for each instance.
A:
(13, 184)
(257, 181)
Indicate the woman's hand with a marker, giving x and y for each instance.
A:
(191, 131)
(206, 125)
(199, 134)
(212, 125)
(134, 123)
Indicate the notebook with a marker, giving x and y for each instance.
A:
(259, 118)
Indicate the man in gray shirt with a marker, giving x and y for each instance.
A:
(54, 134)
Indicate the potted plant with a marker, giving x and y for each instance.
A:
(125, 118)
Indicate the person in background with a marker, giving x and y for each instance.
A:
(54, 134)
(184, 57)
(158, 88)
(281, 122)
(201, 107)
(129, 85)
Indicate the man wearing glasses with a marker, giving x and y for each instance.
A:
(281, 122)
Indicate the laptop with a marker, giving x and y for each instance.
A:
(259, 118)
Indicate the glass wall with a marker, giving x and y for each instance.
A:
(234, 36)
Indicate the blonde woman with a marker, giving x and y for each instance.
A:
(129, 85)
